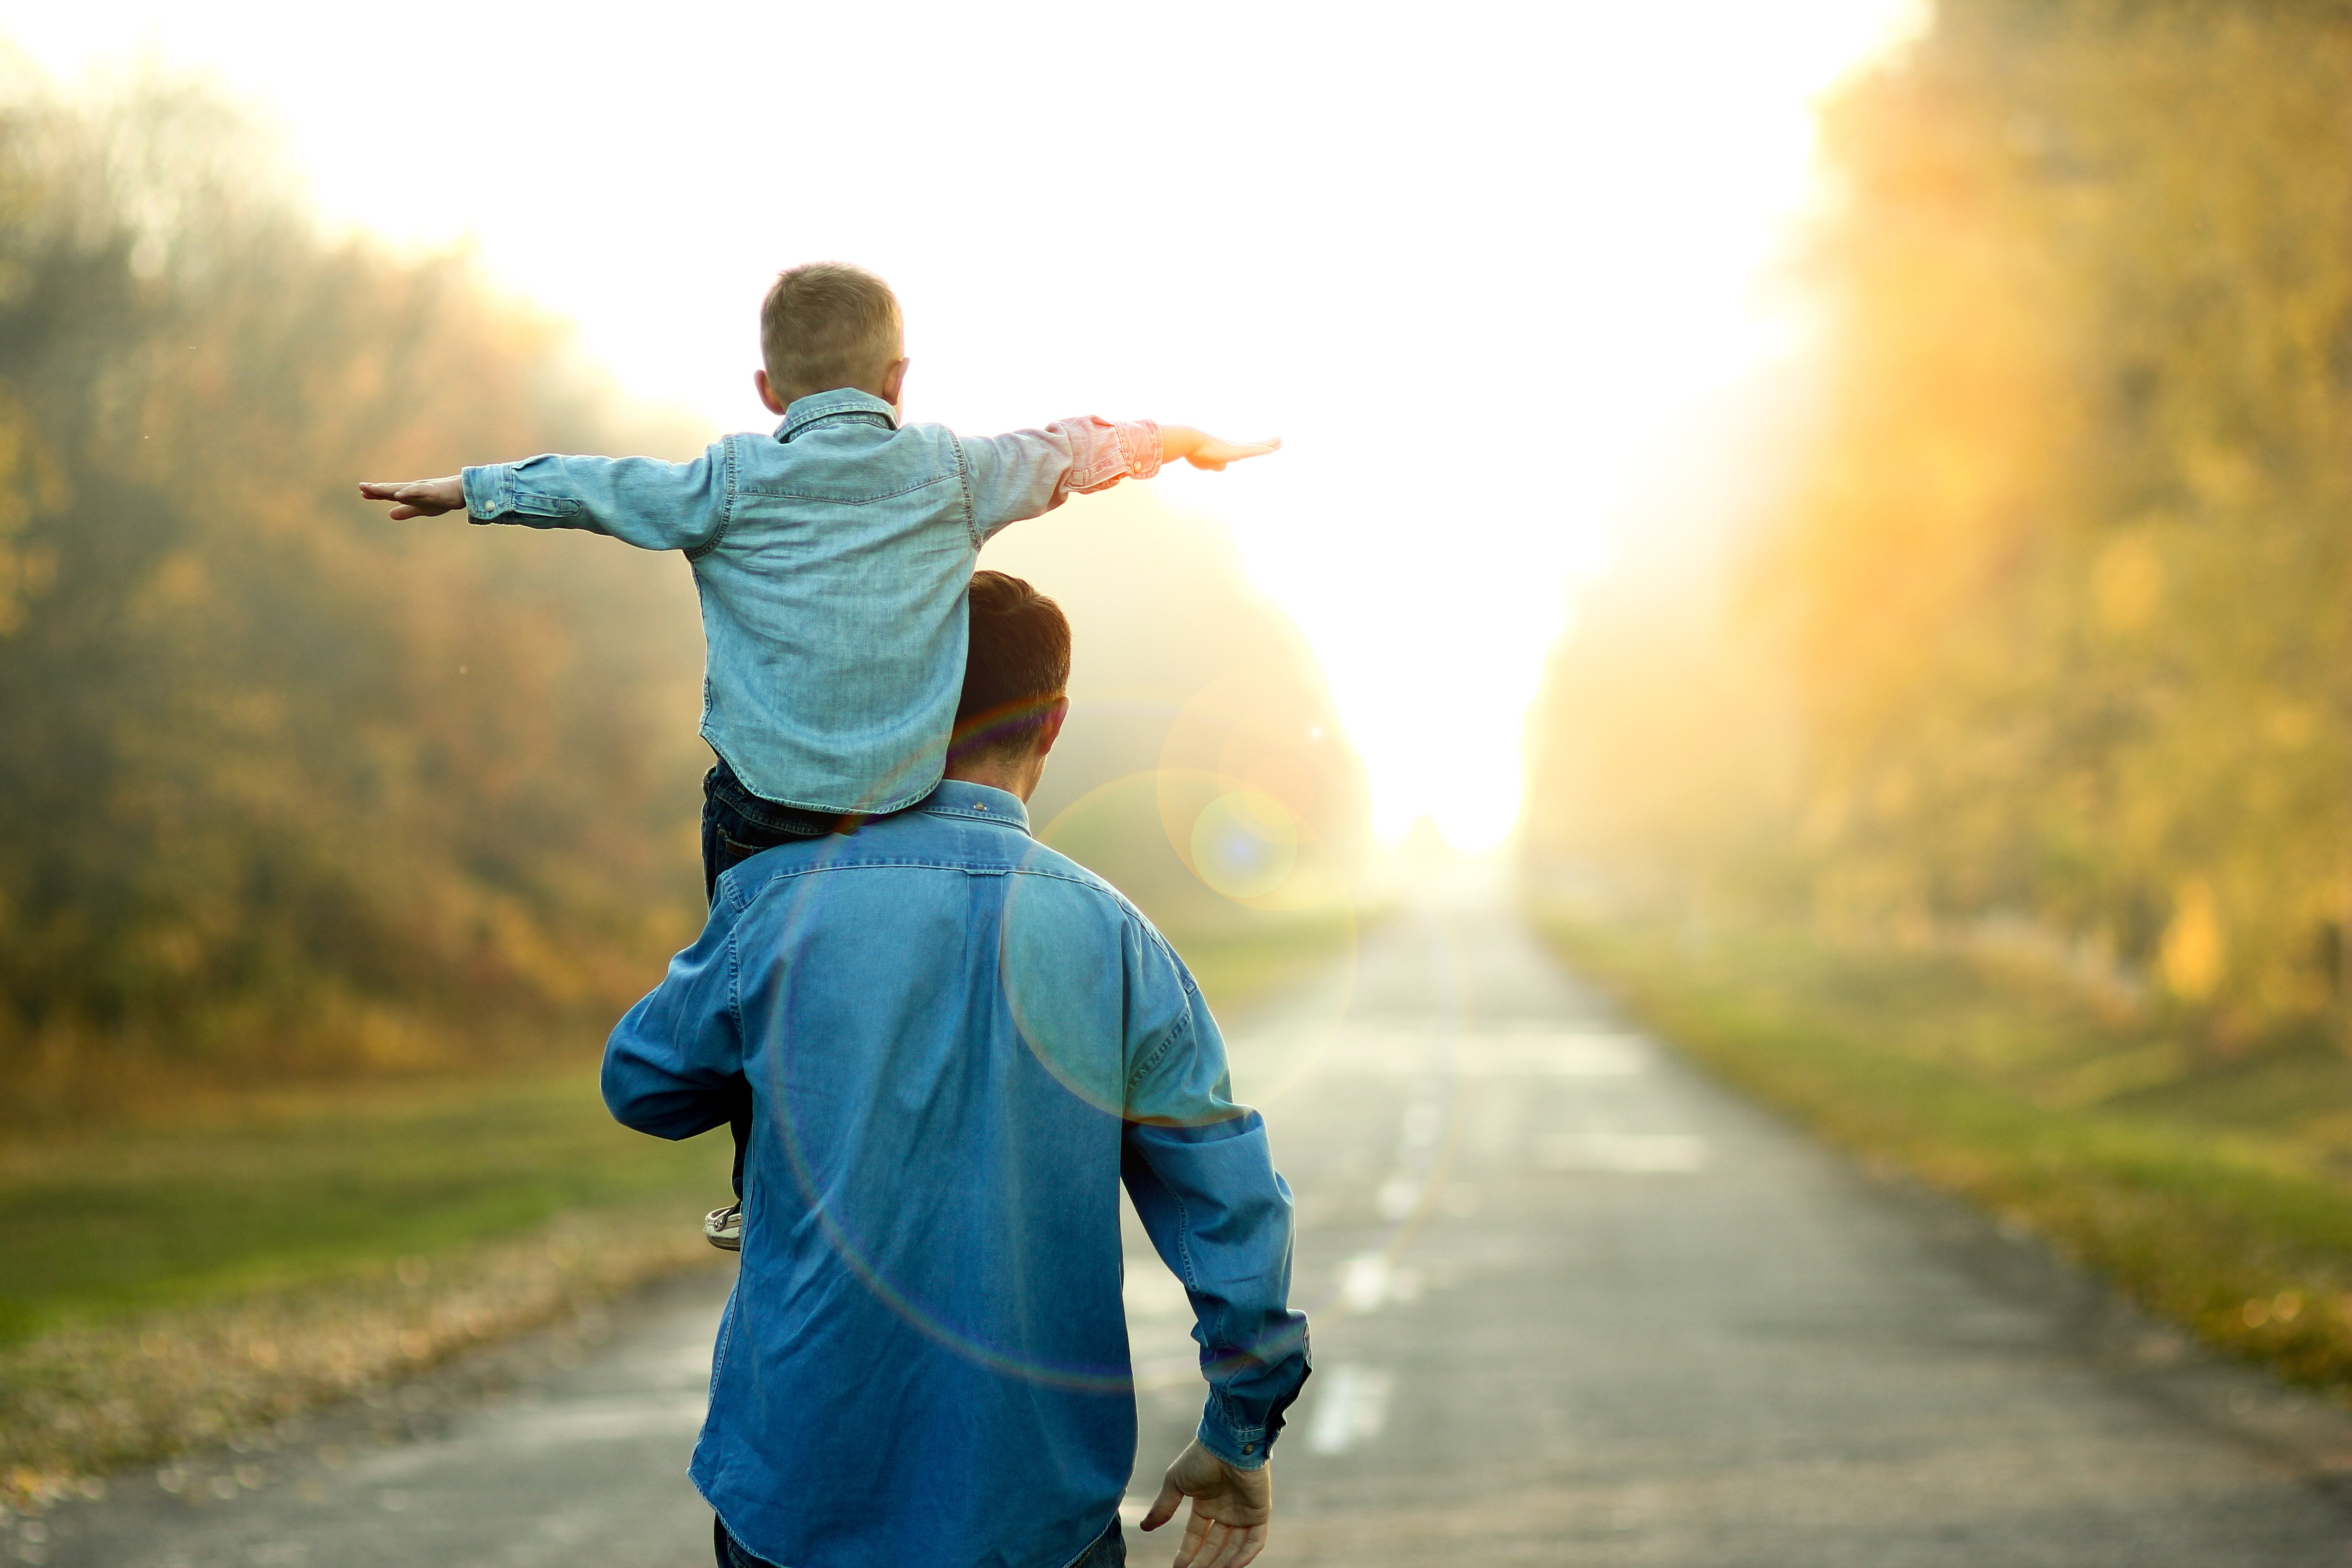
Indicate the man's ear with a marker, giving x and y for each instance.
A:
(767, 393)
(894, 381)
(1051, 730)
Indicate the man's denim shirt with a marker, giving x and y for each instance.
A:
(959, 1044)
(832, 560)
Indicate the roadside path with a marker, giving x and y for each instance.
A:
(1573, 1304)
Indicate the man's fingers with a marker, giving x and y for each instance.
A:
(1224, 1546)
(1196, 1529)
(1164, 1506)
(1253, 1542)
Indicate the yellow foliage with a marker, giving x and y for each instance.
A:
(251, 813)
(2128, 584)
(2191, 957)
(2062, 592)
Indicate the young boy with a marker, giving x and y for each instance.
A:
(832, 560)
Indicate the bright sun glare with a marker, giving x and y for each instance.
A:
(1465, 262)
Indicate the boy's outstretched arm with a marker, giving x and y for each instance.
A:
(642, 501)
(1030, 472)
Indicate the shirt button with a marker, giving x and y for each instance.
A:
(1249, 1448)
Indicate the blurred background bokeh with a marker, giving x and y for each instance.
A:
(1848, 518)
(330, 848)
(1959, 751)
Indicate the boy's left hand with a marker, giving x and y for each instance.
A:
(419, 497)
(1204, 450)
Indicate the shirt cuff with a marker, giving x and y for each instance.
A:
(1138, 443)
(1245, 1448)
(1103, 453)
(489, 492)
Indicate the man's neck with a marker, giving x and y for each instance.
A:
(1016, 776)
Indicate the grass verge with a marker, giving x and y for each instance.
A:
(2214, 1194)
(168, 1284)
(215, 1265)
(94, 1395)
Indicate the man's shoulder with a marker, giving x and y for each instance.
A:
(1112, 908)
(1043, 861)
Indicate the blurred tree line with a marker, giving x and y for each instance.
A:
(284, 786)
(2048, 619)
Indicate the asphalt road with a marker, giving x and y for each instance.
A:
(1573, 1303)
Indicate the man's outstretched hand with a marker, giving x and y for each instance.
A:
(419, 497)
(1229, 1508)
(1204, 450)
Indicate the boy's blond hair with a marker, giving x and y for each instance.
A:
(827, 324)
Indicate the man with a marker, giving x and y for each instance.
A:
(958, 1043)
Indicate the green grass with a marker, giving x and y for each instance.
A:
(145, 1264)
(211, 1262)
(313, 1185)
(243, 1196)
(2212, 1189)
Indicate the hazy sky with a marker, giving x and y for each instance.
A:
(1464, 260)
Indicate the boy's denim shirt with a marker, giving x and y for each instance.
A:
(832, 559)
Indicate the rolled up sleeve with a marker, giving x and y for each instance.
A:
(1028, 473)
(1201, 1172)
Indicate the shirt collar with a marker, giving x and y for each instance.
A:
(842, 403)
(979, 802)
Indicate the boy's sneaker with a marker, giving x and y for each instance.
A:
(723, 1228)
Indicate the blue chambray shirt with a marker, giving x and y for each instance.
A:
(832, 560)
(959, 1044)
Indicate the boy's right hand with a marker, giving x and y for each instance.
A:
(1204, 450)
(419, 497)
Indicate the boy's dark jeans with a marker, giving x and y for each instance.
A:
(736, 825)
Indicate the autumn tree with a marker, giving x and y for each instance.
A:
(2063, 587)
(283, 785)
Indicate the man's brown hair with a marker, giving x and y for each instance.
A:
(827, 324)
(1017, 668)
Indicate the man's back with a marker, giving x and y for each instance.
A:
(956, 1040)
